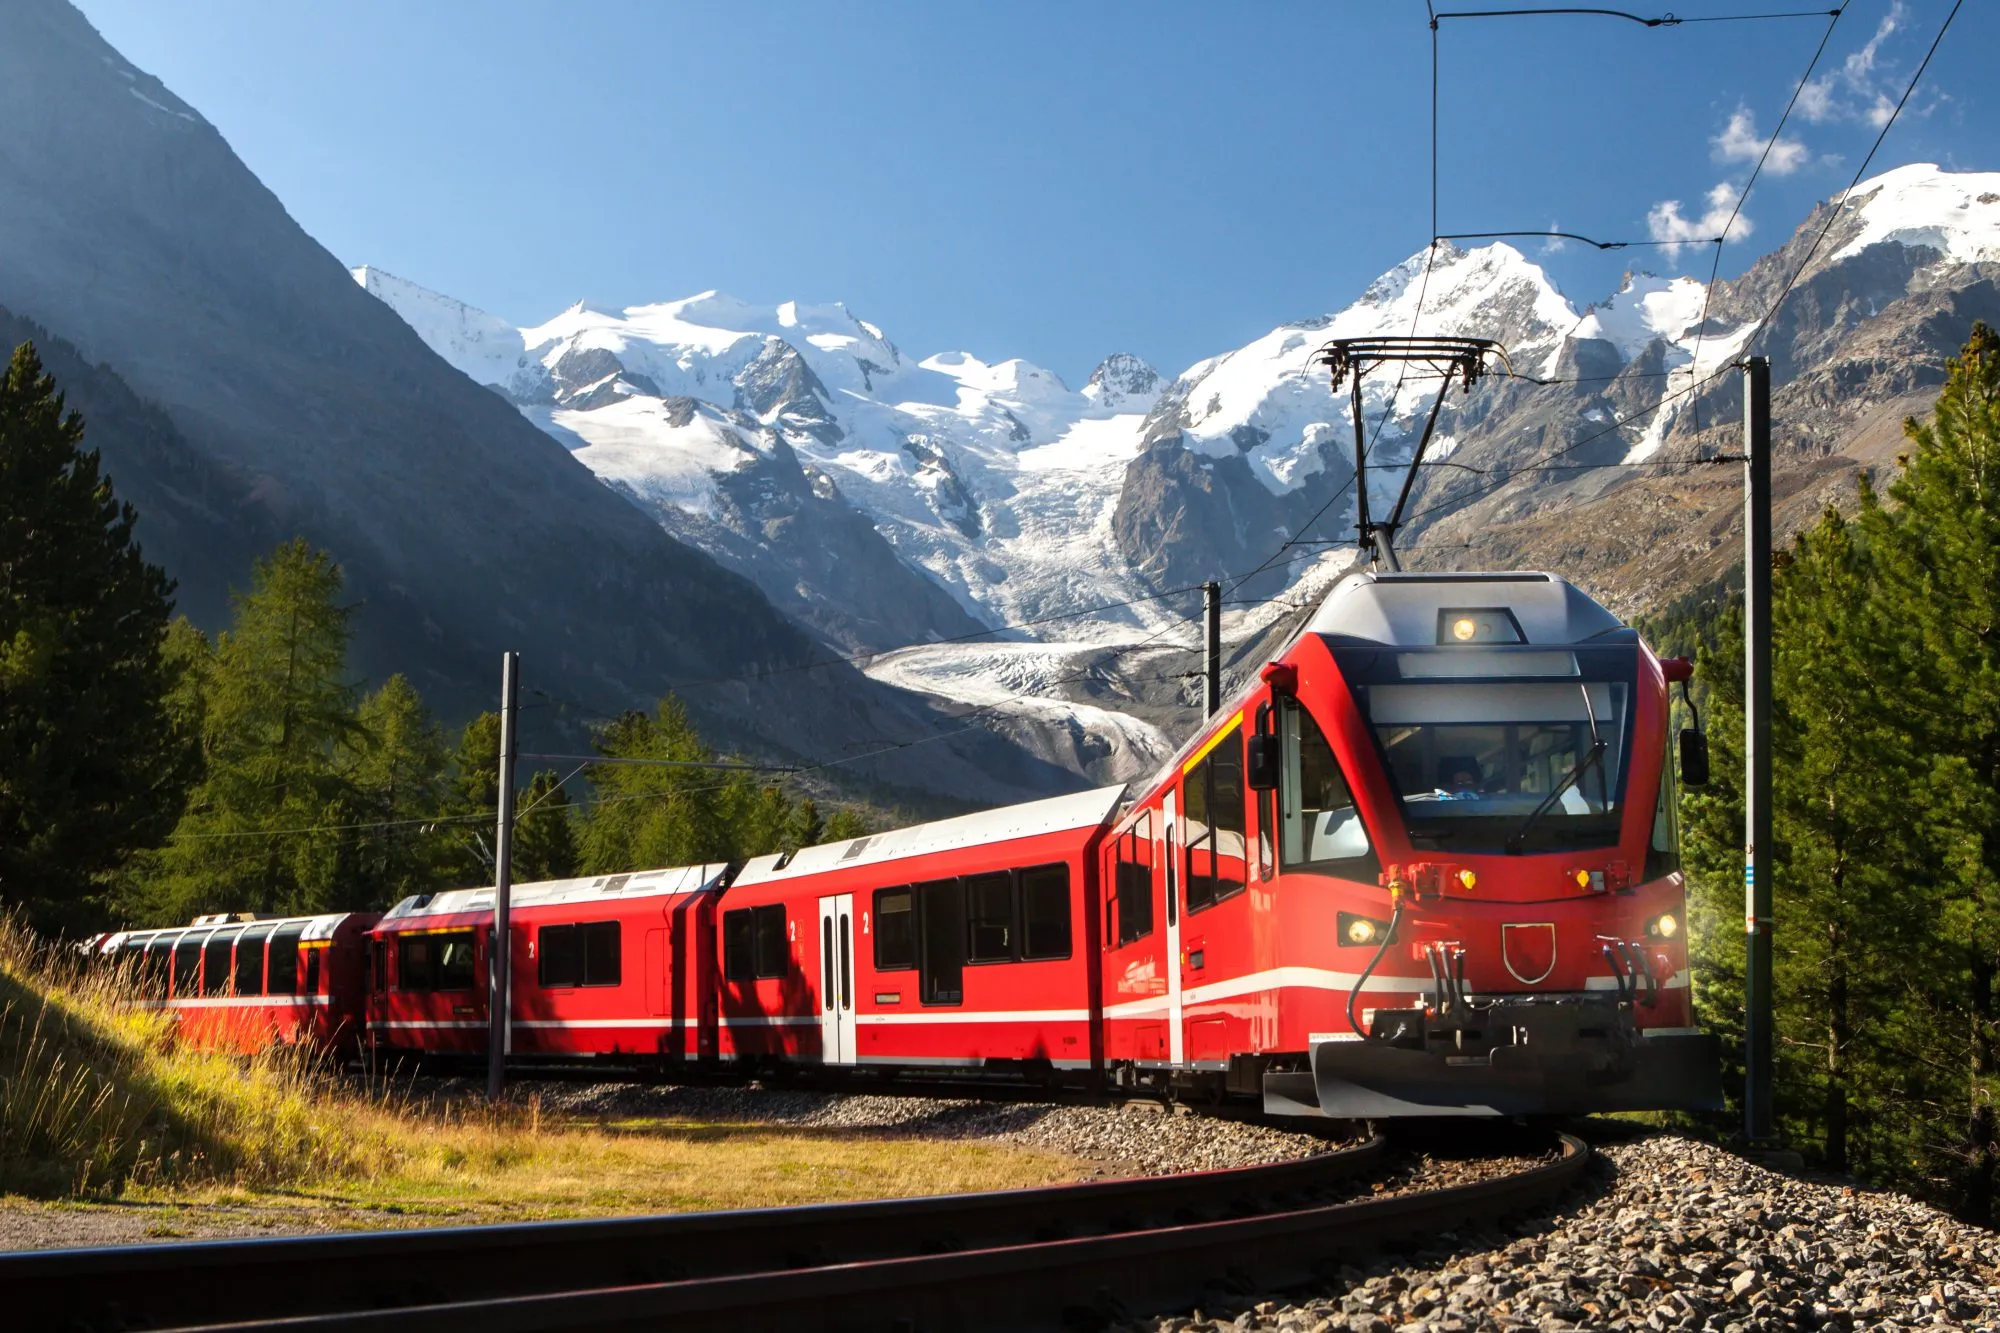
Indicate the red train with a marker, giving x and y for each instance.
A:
(1426, 863)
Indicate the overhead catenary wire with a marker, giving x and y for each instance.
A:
(1835, 208)
(1736, 211)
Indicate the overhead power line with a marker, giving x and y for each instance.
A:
(1834, 209)
(1715, 268)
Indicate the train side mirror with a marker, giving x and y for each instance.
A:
(1694, 758)
(1263, 762)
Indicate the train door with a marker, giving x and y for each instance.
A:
(836, 979)
(1170, 876)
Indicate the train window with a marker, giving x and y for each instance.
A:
(989, 918)
(414, 955)
(1045, 912)
(895, 941)
(187, 965)
(281, 973)
(736, 963)
(250, 961)
(1134, 887)
(582, 955)
(1318, 821)
(312, 970)
(941, 934)
(1213, 792)
(1663, 853)
(157, 974)
(453, 960)
(768, 943)
(215, 961)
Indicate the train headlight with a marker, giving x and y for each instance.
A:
(1665, 926)
(1355, 929)
(1464, 628)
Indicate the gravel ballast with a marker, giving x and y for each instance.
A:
(1134, 1139)
(1669, 1233)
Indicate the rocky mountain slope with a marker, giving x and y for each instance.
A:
(769, 435)
(130, 230)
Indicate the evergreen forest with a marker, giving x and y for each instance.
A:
(149, 773)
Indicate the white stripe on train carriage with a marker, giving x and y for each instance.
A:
(978, 1016)
(238, 1002)
(564, 1023)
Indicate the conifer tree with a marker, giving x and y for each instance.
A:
(91, 769)
(399, 777)
(544, 840)
(1938, 547)
(266, 828)
(644, 816)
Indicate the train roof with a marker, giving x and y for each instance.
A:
(1057, 814)
(1404, 609)
(319, 927)
(552, 892)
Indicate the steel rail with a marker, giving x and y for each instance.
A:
(203, 1282)
(1268, 1234)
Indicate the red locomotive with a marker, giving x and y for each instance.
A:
(1426, 863)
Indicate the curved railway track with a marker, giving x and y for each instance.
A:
(1066, 1256)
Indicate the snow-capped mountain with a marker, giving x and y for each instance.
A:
(886, 501)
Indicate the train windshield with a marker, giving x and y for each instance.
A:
(1521, 750)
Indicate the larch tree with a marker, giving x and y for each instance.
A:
(398, 771)
(91, 767)
(267, 828)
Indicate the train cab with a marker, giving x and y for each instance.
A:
(1427, 863)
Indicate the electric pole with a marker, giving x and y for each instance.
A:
(1211, 605)
(499, 952)
(1758, 1122)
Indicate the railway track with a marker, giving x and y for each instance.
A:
(1068, 1256)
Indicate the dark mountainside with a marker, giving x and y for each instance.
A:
(132, 231)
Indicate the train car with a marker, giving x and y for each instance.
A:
(966, 943)
(242, 983)
(1426, 863)
(614, 965)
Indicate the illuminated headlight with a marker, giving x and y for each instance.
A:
(1665, 926)
(1356, 929)
(1464, 628)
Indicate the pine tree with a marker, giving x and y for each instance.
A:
(399, 777)
(1939, 551)
(1850, 858)
(91, 768)
(265, 829)
(644, 816)
(544, 839)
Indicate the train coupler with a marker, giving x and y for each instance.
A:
(1539, 1055)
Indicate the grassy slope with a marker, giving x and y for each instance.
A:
(97, 1100)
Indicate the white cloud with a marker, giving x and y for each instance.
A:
(1740, 142)
(1555, 244)
(1666, 222)
(1854, 92)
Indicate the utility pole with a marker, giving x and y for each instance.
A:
(1758, 1123)
(499, 953)
(1211, 605)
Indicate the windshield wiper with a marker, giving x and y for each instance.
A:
(1598, 745)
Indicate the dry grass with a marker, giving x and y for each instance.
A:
(97, 1100)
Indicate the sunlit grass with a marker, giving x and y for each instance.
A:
(97, 1100)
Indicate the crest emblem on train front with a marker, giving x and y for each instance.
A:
(1529, 951)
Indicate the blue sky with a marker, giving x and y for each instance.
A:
(1051, 181)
